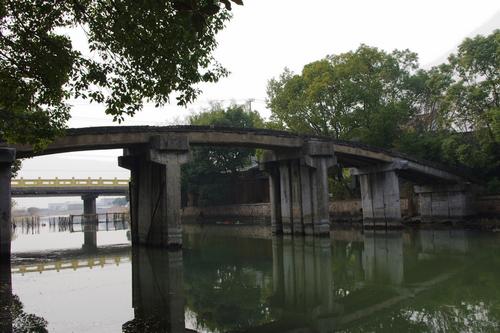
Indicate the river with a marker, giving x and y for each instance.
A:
(397, 281)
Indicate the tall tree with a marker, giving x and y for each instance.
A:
(363, 95)
(473, 99)
(138, 51)
(211, 168)
(471, 108)
(460, 118)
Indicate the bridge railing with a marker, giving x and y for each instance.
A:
(73, 264)
(39, 182)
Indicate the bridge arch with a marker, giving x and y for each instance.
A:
(297, 167)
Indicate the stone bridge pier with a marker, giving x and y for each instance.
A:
(155, 190)
(89, 204)
(7, 157)
(90, 222)
(440, 197)
(298, 187)
(380, 198)
(445, 202)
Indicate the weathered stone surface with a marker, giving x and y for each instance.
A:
(318, 148)
(170, 142)
(89, 203)
(320, 197)
(445, 202)
(380, 199)
(298, 228)
(7, 156)
(350, 154)
(306, 199)
(286, 197)
(275, 199)
(303, 195)
(89, 222)
(156, 196)
(379, 168)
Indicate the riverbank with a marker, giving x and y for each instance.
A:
(344, 214)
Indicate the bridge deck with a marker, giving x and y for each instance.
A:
(350, 154)
(68, 187)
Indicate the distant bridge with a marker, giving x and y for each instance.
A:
(68, 187)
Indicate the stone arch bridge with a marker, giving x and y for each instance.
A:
(297, 166)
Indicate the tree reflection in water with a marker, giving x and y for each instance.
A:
(430, 281)
(227, 282)
(13, 318)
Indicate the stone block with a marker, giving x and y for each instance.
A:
(173, 142)
(7, 155)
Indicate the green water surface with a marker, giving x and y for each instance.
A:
(411, 281)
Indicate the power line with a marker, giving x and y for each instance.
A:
(205, 101)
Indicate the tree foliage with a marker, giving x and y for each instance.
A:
(137, 51)
(12, 309)
(449, 113)
(362, 95)
(466, 113)
(210, 166)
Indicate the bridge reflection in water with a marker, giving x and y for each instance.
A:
(301, 291)
(72, 264)
(157, 291)
(290, 284)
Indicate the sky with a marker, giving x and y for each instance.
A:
(266, 36)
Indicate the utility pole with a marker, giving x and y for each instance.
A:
(249, 102)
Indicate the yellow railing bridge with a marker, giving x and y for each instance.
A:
(56, 182)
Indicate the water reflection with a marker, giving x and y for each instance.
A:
(302, 275)
(228, 282)
(89, 228)
(428, 281)
(443, 241)
(388, 282)
(64, 232)
(26, 226)
(13, 318)
(383, 256)
(157, 291)
(5, 298)
(90, 261)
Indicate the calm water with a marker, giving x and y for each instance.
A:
(427, 281)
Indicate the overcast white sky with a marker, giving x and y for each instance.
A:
(265, 36)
